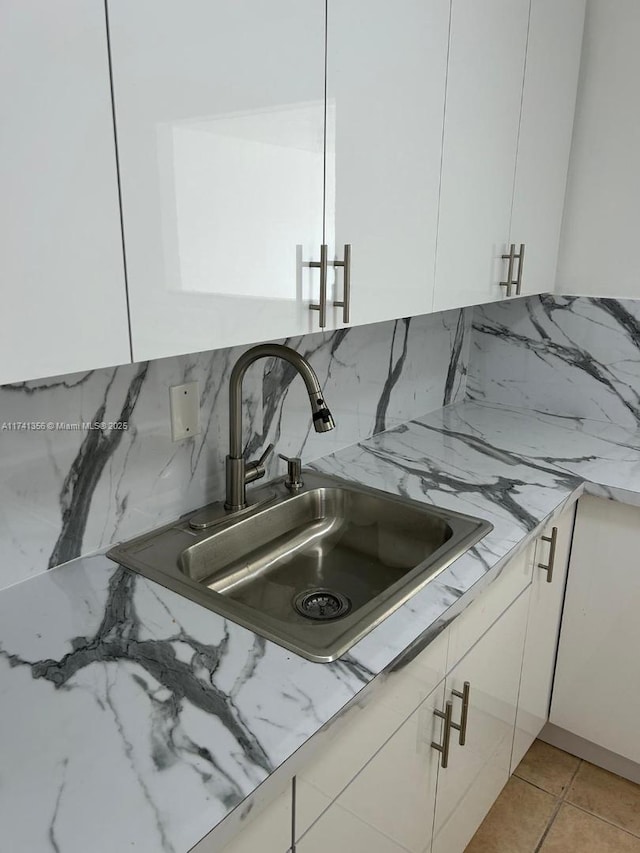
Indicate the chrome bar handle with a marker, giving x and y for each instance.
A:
(321, 305)
(443, 748)
(346, 298)
(553, 540)
(518, 281)
(464, 715)
(511, 258)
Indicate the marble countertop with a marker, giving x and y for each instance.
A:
(132, 718)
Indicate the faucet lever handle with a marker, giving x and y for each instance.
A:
(294, 472)
(255, 470)
(267, 453)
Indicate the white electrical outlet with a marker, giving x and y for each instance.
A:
(185, 410)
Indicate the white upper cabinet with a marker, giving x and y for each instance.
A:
(482, 115)
(548, 107)
(386, 76)
(508, 126)
(220, 119)
(63, 288)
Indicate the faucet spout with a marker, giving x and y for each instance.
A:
(239, 472)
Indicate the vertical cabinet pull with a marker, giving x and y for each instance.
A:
(512, 257)
(553, 540)
(321, 305)
(518, 281)
(464, 714)
(443, 748)
(346, 297)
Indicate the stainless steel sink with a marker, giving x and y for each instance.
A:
(314, 570)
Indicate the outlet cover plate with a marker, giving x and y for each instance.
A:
(185, 410)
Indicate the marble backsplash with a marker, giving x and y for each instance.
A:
(66, 492)
(576, 356)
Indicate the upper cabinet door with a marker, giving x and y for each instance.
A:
(386, 76)
(482, 116)
(220, 122)
(63, 289)
(548, 107)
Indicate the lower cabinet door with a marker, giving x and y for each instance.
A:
(389, 806)
(479, 769)
(543, 628)
(596, 692)
(270, 831)
(340, 830)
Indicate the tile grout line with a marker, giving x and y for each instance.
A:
(573, 779)
(547, 828)
(603, 820)
(563, 798)
(593, 814)
(559, 803)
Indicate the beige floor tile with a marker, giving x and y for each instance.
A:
(516, 822)
(608, 796)
(575, 831)
(547, 767)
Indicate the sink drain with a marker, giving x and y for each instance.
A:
(321, 604)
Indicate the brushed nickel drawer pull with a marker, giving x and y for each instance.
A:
(553, 539)
(321, 305)
(346, 298)
(443, 748)
(464, 715)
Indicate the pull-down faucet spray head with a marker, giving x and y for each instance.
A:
(322, 417)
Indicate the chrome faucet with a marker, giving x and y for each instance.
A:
(239, 472)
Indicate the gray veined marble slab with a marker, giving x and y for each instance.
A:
(571, 355)
(134, 719)
(64, 493)
(147, 720)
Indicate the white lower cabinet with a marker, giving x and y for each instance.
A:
(344, 765)
(543, 625)
(479, 768)
(596, 693)
(268, 831)
(390, 804)
(376, 782)
(397, 799)
(341, 830)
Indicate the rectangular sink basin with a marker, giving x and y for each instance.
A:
(313, 571)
